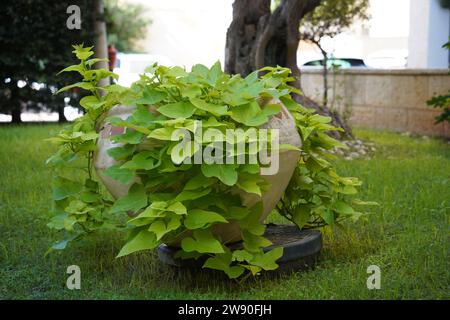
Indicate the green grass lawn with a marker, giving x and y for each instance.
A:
(407, 235)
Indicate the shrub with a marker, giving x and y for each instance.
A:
(172, 198)
(442, 101)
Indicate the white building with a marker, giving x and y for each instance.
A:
(400, 33)
(429, 28)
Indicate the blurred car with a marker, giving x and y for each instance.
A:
(342, 63)
(130, 65)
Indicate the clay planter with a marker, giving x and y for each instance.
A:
(226, 232)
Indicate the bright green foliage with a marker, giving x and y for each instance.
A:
(171, 200)
(316, 195)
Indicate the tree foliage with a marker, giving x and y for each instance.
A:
(125, 24)
(331, 18)
(35, 44)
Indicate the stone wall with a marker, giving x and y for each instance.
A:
(383, 99)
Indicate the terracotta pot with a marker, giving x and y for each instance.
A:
(226, 232)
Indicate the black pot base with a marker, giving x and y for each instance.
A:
(301, 248)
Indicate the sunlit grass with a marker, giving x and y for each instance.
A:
(407, 235)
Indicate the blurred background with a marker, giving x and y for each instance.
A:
(383, 59)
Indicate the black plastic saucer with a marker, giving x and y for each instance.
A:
(301, 248)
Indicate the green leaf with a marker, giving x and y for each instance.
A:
(190, 91)
(251, 221)
(130, 137)
(77, 206)
(82, 85)
(164, 134)
(121, 153)
(255, 270)
(147, 215)
(177, 208)
(60, 245)
(91, 102)
(245, 113)
(183, 151)
(135, 199)
(174, 223)
(222, 262)
(151, 96)
(77, 67)
(254, 243)
(327, 215)
(224, 172)
(70, 222)
(242, 255)
(117, 173)
(93, 61)
(347, 190)
(159, 205)
(217, 110)
(252, 77)
(215, 73)
(203, 242)
(89, 136)
(192, 194)
(252, 115)
(276, 93)
(236, 213)
(58, 222)
(200, 70)
(82, 53)
(141, 161)
(63, 188)
(267, 260)
(176, 110)
(144, 240)
(143, 116)
(342, 207)
(250, 183)
(159, 228)
(271, 109)
(250, 168)
(199, 181)
(302, 215)
(252, 90)
(90, 197)
(197, 218)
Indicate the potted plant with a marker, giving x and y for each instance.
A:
(196, 160)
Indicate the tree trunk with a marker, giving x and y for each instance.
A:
(16, 104)
(101, 42)
(325, 81)
(15, 114)
(61, 117)
(325, 75)
(258, 37)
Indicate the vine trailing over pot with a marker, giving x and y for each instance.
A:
(171, 200)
